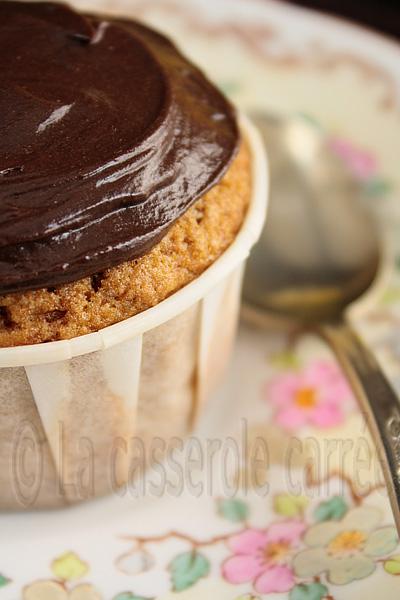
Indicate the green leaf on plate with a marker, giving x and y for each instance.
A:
(377, 187)
(285, 360)
(392, 565)
(310, 119)
(290, 506)
(129, 596)
(230, 87)
(392, 294)
(4, 580)
(187, 568)
(331, 510)
(233, 510)
(310, 591)
(248, 597)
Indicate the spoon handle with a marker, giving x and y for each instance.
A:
(376, 398)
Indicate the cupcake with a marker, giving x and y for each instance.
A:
(128, 204)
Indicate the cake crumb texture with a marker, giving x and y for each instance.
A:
(192, 244)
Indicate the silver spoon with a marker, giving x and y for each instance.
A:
(319, 252)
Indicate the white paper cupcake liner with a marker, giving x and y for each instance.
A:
(70, 410)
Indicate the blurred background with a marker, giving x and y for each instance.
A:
(383, 15)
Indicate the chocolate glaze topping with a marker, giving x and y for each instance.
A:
(107, 136)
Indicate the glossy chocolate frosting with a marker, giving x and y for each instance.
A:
(107, 136)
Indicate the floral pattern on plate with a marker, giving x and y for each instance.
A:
(321, 544)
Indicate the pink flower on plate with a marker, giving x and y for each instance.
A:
(319, 395)
(263, 557)
(360, 162)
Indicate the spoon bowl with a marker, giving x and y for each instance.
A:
(321, 248)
